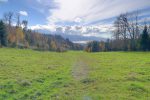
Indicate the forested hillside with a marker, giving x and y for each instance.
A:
(21, 37)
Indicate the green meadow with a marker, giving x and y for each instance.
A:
(74, 75)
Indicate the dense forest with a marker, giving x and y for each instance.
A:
(130, 34)
(20, 36)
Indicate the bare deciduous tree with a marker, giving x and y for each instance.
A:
(8, 18)
(25, 24)
(127, 28)
(18, 19)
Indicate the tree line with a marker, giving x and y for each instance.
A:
(20, 36)
(130, 34)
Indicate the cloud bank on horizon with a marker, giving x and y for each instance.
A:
(85, 18)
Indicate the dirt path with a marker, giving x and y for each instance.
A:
(80, 69)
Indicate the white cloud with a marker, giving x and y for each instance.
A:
(50, 28)
(93, 10)
(85, 12)
(78, 20)
(23, 13)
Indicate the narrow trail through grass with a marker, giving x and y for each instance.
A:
(81, 76)
(80, 69)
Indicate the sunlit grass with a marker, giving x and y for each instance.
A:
(28, 74)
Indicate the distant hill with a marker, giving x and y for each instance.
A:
(50, 42)
(62, 42)
(73, 37)
(19, 37)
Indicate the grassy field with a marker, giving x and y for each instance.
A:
(33, 75)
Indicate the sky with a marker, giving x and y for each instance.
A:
(78, 20)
